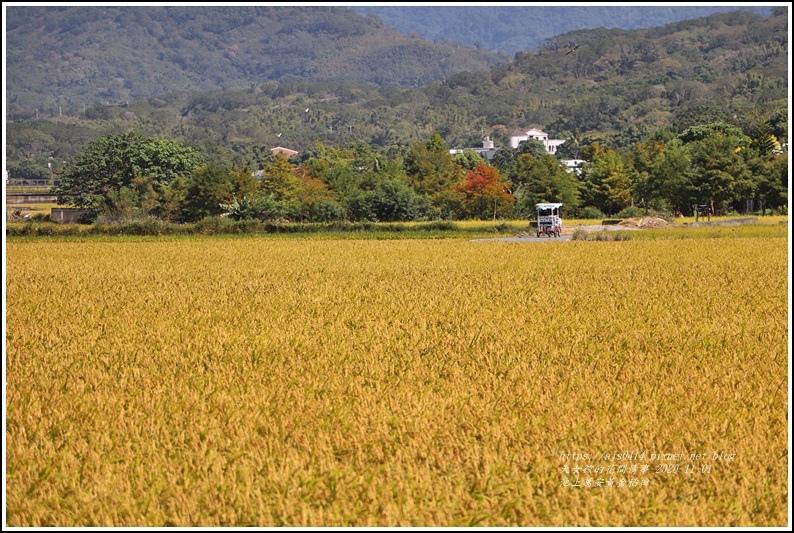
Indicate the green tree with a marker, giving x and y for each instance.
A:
(97, 174)
(388, 201)
(533, 147)
(393, 201)
(778, 122)
(764, 142)
(317, 201)
(27, 144)
(670, 178)
(569, 150)
(279, 180)
(505, 160)
(209, 187)
(334, 167)
(243, 181)
(342, 181)
(769, 192)
(607, 180)
(467, 159)
(544, 179)
(172, 198)
(718, 156)
(698, 115)
(647, 158)
(773, 187)
(430, 168)
(705, 131)
(28, 170)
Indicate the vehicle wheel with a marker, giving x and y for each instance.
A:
(538, 234)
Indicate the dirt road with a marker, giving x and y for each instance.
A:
(566, 234)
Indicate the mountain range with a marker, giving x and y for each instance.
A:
(61, 59)
(70, 57)
(524, 26)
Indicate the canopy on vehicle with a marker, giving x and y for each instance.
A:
(547, 206)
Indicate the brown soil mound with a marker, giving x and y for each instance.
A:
(645, 223)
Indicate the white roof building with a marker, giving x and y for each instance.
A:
(519, 136)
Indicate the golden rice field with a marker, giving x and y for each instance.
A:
(320, 382)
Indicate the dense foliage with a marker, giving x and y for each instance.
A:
(126, 176)
(120, 172)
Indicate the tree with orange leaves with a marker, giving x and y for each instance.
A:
(486, 192)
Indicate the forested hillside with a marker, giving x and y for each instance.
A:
(616, 87)
(518, 28)
(59, 59)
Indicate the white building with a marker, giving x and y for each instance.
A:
(573, 165)
(487, 151)
(519, 136)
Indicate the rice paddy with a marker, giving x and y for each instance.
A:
(267, 381)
